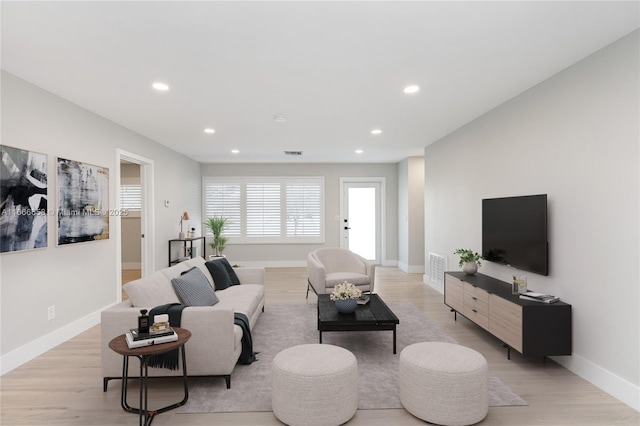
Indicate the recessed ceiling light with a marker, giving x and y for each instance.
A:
(376, 131)
(411, 89)
(280, 119)
(160, 86)
(235, 151)
(209, 130)
(359, 151)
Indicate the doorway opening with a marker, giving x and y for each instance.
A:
(135, 246)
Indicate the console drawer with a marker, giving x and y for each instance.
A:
(476, 305)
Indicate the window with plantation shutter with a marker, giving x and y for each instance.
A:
(263, 209)
(224, 199)
(303, 209)
(130, 197)
(267, 209)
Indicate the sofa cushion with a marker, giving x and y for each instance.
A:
(354, 278)
(152, 290)
(222, 273)
(193, 289)
(243, 298)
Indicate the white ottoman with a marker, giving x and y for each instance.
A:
(444, 383)
(314, 385)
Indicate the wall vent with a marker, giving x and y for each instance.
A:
(437, 267)
(294, 153)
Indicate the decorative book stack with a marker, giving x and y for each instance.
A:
(136, 339)
(539, 297)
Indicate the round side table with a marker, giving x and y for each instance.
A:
(119, 345)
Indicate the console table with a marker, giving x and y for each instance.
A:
(531, 328)
(184, 242)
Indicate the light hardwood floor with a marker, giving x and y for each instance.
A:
(64, 387)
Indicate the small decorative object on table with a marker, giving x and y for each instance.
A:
(469, 261)
(143, 321)
(160, 323)
(346, 296)
(519, 284)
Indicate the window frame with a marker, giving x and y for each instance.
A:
(282, 181)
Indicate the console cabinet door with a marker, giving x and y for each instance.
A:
(505, 321)
(453, 293)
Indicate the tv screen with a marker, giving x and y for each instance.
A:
(514, 232)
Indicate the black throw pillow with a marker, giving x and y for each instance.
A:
(222, 273)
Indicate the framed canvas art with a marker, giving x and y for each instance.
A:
(83, 202)
(23, 199)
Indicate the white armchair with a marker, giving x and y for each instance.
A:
(329, 266)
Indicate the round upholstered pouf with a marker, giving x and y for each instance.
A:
(314, 385)
(444, 383)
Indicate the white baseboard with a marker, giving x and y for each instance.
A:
(35, 348)
(606, 380)
(410, 269)
(273, 264)
(292, 263)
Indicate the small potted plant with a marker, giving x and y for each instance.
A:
(469, 261)
(346, 297)
(217, 224)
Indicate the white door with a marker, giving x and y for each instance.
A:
(361, 219)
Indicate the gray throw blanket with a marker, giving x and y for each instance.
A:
(168, 359)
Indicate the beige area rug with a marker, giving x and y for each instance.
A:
(283, 326)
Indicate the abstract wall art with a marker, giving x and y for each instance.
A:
(23, 199)
(83, 202)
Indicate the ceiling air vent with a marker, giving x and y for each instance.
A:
(294, 153)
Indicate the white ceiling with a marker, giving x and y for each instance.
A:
(335, 69)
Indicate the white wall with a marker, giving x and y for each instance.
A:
(411, 215)
(576, 138)
(295, 254)
(79, 279)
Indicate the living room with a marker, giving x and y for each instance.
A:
(573, 136)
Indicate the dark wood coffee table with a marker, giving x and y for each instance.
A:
(373, 316)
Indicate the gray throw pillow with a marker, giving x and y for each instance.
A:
(193, 289)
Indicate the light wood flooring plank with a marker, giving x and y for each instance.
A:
(64, 386)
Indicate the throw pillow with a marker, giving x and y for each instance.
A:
(221, 278)
(219, 273)
(193, 288)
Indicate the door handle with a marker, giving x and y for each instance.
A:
(346, 227)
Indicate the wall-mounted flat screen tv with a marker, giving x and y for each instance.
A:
(514, 232)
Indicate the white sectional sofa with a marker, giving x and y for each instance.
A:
(215, 345)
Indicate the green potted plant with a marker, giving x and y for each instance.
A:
(469, 261)
(217, 224)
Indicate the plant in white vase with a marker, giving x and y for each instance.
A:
(469, 260)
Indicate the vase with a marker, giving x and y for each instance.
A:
(470, 268)
(346, 306)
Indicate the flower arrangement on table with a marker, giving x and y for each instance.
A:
(345, 291)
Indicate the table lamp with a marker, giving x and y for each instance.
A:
(185, 216)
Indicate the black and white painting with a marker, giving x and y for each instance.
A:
(23, 199)
(83, 202)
